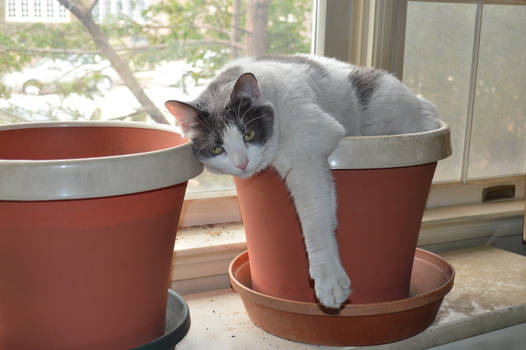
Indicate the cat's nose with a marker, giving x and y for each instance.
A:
(243, 165)
(240, 161)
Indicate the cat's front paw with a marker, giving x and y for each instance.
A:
(331, 284)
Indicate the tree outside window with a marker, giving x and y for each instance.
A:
(121, 59)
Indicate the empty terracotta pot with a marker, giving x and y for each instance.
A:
(88, 218)
(382, 183)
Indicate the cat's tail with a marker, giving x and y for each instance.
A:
(429, 115)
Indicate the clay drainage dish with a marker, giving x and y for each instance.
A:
(356, 324)
(176, 327)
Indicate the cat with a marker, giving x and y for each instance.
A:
(289, 113)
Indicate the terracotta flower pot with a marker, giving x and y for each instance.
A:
(88, 217)
(382, 183)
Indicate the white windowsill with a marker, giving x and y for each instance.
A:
(203, 253)
(489, 294)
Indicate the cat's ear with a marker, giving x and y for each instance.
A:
(246, 87)
(185, 114)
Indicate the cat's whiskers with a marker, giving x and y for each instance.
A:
(206, 145)
(242, 119)
(239, 108)
(253, 120)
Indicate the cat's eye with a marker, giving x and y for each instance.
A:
(249, 135)
(216, 150)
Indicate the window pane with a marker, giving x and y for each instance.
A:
(437, 65)
(498, 141)
(51, 70)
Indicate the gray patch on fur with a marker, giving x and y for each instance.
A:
(365, 81)
(313, 66)
(207, 134)
(216, 94)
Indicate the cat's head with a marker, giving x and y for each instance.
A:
(229, 134)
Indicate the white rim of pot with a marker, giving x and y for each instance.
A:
(37, 180)
(392, 151)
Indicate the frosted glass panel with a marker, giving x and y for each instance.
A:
(498, 144)
(437, 65)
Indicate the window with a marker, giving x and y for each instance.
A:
(470, 60)
(498, 140)
(172, 49)
(38, 8)
(120, 10)
(465, 56)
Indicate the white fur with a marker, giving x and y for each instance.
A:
(310, 120)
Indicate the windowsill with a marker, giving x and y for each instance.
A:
(203, 253)
(489, 294)
(232, 233)
(489, 291)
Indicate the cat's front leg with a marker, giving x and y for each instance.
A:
(312, 189)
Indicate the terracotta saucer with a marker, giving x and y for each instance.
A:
(355, 324)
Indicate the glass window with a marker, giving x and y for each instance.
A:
(498, 139)
(171, 48)
(437, 66)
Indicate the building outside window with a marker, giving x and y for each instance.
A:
(120, 9)
(35, 11)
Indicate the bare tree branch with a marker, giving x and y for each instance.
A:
(92, 6)
(210, 42)
(124, 50)
(196, 26)
(209, 27)
(203, 26)
(36, 50)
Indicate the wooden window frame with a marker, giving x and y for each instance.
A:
(369, 33)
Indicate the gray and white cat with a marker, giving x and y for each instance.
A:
(290, 112)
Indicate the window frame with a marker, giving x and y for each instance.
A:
(370, 33)
(455, 216)
(377, 39)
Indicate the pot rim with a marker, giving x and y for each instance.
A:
(367, 309)
(77, 178)
(392, 151)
